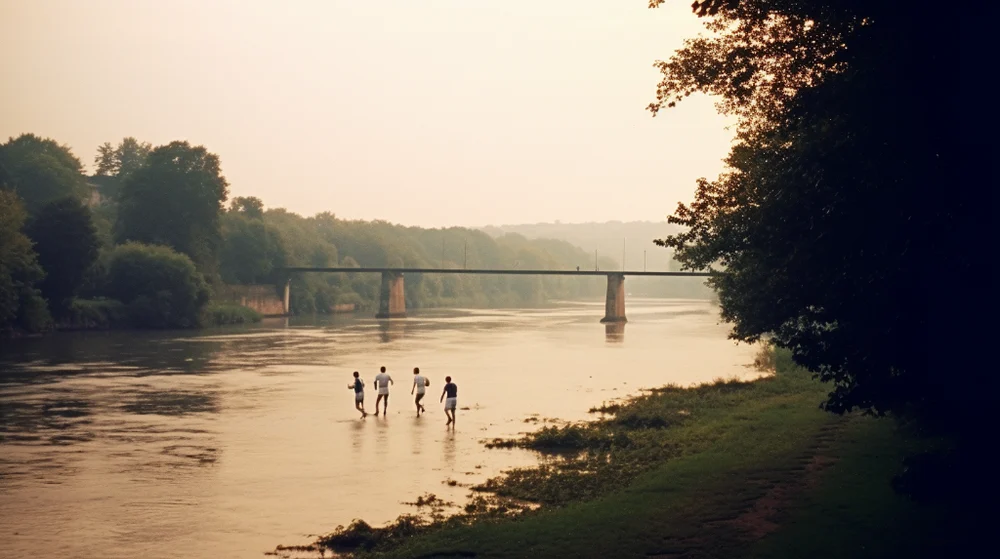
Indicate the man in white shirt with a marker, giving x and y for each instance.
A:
(420, 384)
(382, 382)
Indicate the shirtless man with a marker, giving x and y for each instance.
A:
(359, 394)
(382, 382)
(420, 384)
(451, 390)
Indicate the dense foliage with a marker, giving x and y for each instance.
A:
(21, 305)
(40, 171)
(834, 202)
(115, 164)
(123, 160)
(175, 199)
(66, 242)
(111, 261)
(159, 286)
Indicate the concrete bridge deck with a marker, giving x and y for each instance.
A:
(392, 297)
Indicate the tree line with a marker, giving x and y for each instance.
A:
(149, 238)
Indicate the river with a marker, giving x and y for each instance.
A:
(228, 442)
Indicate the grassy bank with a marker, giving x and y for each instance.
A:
(107, 314)
(731, 469)
(223, 314)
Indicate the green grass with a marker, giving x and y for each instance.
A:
(729, 469)
(222, 314)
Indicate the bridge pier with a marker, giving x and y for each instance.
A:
(392, 297)
(614, 305)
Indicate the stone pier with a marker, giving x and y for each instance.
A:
(392, 298)
(614, 305)
(265, 299)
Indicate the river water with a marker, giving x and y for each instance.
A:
(228, 442)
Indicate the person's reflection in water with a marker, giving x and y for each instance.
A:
(390, 330)
(357, 435)
(614, 332)
(417, 429)
(448, 450)
(382, 436)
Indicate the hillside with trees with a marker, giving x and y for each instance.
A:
(617, 245)
(149, 239)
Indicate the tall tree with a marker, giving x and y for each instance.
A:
(19, 269)
(122, 160)
(176, 200)
(250, 206)
(40, 171)
(832, 205)
(66, 242)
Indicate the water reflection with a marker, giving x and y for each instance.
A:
(381, 436)
(228, 441)
(448, 447)
(417, 429)
(391, 329)
(358, 436)
(614, 332)
(53, 358)
(171, 402)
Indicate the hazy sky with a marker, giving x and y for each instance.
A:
(457, 112)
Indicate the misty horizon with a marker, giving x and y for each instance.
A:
(451, 114)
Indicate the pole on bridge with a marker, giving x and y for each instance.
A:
(643, 261)
(287, 298)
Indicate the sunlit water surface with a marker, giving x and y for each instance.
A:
(225, 443)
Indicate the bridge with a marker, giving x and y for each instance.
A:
(392, 298)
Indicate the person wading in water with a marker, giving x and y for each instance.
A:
(420, 384)
(451, 390)
(382, 382)
(359, 394)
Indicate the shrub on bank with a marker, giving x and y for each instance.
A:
(159, 286)
(94, 314)
(221, 314)
(32, 312)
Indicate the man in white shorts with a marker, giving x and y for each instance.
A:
(451, 390)
(382, 382)
(420, 384)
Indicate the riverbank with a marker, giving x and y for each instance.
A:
(730, 469)
(108, 314)
(225, 442)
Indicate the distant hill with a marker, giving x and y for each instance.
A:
(609, 239)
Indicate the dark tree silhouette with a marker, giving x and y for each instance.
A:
(67, 245)
(846, 183)
(40, 171)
